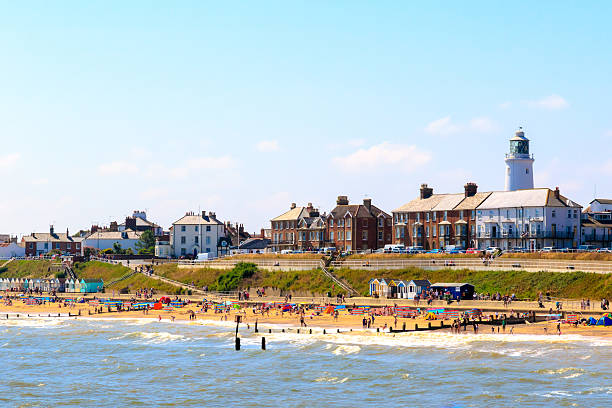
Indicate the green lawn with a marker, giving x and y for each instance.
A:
(27, 269)
(571, 285)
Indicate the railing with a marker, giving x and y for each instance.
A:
(472, 263)
(527, 235)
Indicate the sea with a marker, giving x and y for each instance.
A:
(53, 362)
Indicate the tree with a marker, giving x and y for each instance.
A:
(146, 243)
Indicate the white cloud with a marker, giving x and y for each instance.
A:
(117, 167)
(552, 102)
(268, 146)
(396, 156)
(443, 127)
(9, 160)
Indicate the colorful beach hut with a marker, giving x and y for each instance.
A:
(417, 286)
(91, 285)
(374, 287)
(77, 286)
(463, 291)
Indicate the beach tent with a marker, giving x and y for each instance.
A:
(604, 321)
(158, 306)
(329, 310)
(592, 321)
(431, 316)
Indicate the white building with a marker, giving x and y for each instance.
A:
(198, 233)
(600, 205)
(519, 164)
(101, 240)
(531, 219)
(11, 250)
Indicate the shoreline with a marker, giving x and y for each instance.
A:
(279, 321)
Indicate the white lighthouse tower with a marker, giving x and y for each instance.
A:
(519, 164)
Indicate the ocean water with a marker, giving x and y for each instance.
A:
(124, 363)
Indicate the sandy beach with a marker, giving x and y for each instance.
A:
(291, 321)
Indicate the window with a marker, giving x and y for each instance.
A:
(341, 222)
(341, 235)
(461, 214)
(208, 228)
(78, 245)
(427, 231)
(183, 240)
(473, 214)
(207, 240)
(427, 217)
(526, 171)
(575, 213)
(348, 235)
(331, 222)
(196, 228)
(68, 246)
(441, 230)
(197, 239)
(445, 215)
(207, 249)
(31, 245)
(434, 216)
(348, 222)
(380, 235)
(434, 231)
(402, 232)
(418, 217)
(569, 213)
(365, 223)
(183, 251)
(364, 235)
(381, 222)
(397, 232)
(331, 235)
(554, 213)
(508, 214)
(182, 228)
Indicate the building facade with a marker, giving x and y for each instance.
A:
(138, 222)
(101, 240)
(40, 243)
(197, 233)
(437, 221)
(284, 228)
(358, 227)
(528, 219)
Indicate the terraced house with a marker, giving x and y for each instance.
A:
(435, 221)
(39, 243)
(358, 227)
(300, 228)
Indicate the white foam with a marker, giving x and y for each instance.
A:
(151, 337)
(343, 350)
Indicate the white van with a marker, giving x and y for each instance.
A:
(395, 248)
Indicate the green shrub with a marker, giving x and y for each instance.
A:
(229, 281)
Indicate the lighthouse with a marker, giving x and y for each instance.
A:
(519, 164)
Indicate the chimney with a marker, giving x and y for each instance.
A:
(342, 200)
(426, 192)
(130, 223)
(557, 193)
(51, 229)
(367, 202)
(94, 229)
(470, 189)
(114, 227)
(292, 206)
(203, 213)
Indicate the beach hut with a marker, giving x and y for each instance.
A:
(2, 287)
(374, 287)
(91, 285)
(77, 286)
(61, 284)
(383, 288)
(398, 289)
(417, 286)
(463, 291)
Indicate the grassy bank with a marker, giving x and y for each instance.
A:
(572, 285)
(578, 256)
(27, 269)
(312, 281)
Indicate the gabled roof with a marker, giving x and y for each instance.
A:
(142, 223)
(255, 243)
(47, 237)
(602, 201)
(450, 284)
(535, 197)
(470, 203)
(197, 219)
(292, 215)
(421, 282)
(422, 204)
(449, 202)
(114, 235)
(358, 211)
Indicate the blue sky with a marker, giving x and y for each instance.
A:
(245, 107)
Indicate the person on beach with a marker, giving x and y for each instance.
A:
(559, 329)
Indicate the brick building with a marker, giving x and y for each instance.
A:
(40, 243)
(435, 221)
(358, 227)
(292, 230)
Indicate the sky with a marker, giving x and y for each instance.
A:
(242, 108)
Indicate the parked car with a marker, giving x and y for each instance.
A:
(492, 250)
(548, 249)
(472, 251)
(435, 251)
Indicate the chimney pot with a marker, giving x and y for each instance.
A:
(293, 206)
(367, 202)
(342, 200)
(426, 191)
(557, 193)
(470, 189)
